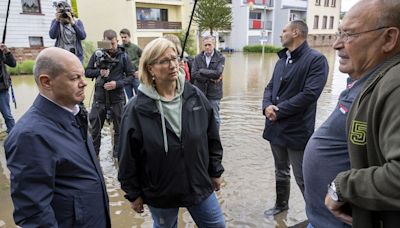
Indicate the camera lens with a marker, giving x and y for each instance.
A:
(64, 15)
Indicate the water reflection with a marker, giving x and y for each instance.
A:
(249, 178)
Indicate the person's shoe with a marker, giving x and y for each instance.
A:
(276, 210)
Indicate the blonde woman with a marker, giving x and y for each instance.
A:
(170, 147)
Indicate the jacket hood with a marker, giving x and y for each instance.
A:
(152, 93)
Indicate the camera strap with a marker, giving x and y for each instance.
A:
(67, 39)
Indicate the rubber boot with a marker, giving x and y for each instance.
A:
(282, 199)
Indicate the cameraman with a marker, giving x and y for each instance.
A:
(112, 69)
(67, 30)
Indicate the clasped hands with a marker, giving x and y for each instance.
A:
(270, 112)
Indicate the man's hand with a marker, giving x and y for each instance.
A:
(110, 85)
(70, 18)
(216, 181)
(4, 48)
(337, 209)
(270, 112)
(58, 16)
(104, 72)
(137, 205)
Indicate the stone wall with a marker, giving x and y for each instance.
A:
(22, 54)
(321, 40)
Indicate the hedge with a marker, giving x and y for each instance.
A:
(24, 67)
(258, 48)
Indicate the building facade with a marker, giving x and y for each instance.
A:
(28, 26)
(262, 21)
(323, 20)
(146, 19)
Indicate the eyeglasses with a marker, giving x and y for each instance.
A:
(345, 36)
(167, 62)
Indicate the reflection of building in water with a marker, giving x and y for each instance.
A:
(146, 19)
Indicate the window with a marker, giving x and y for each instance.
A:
(316, 19)
(31, 6)
(292, 17)
(255, 15)
(36, 41)
(326, 3)
(333, 3)
(324, 21)
(151, 14)
(331, 21)
(317, 2)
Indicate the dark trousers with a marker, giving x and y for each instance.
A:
(284, 157)
(97, 117)
(129, 88)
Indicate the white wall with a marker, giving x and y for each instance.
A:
(21, 26)
(240, 26)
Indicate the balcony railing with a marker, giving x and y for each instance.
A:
(259, 24)
(266, 3)
(158, 25)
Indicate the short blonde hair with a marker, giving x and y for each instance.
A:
(174, 39)
(151, 53)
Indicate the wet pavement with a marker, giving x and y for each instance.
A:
(249, 185)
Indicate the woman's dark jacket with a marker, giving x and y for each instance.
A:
(180, 177)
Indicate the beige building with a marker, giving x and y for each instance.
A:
(146, 19)
(323, 21)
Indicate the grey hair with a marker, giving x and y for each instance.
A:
(209, 38)
(389, 11)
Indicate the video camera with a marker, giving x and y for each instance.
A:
(103, 59)
(63, 8)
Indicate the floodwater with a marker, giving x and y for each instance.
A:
(249, 186)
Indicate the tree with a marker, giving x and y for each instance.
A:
(213, 15)
(190, 45)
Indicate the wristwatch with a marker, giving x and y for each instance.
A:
(332, 192)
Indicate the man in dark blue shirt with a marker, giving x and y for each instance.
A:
(289, 105)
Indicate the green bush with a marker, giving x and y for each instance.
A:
(24, 67)
(258, 48)
(88, 50)
(190, 48)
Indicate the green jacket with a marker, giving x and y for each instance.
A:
(134, 53)
(372, 186)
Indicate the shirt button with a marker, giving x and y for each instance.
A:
(277, 98)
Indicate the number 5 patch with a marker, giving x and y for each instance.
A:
(358, 133)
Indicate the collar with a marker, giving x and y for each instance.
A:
(147, 105)
(74, 111)
(296, 53)
(212, 54)
(54, 112)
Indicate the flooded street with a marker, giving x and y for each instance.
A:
(249, 185)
